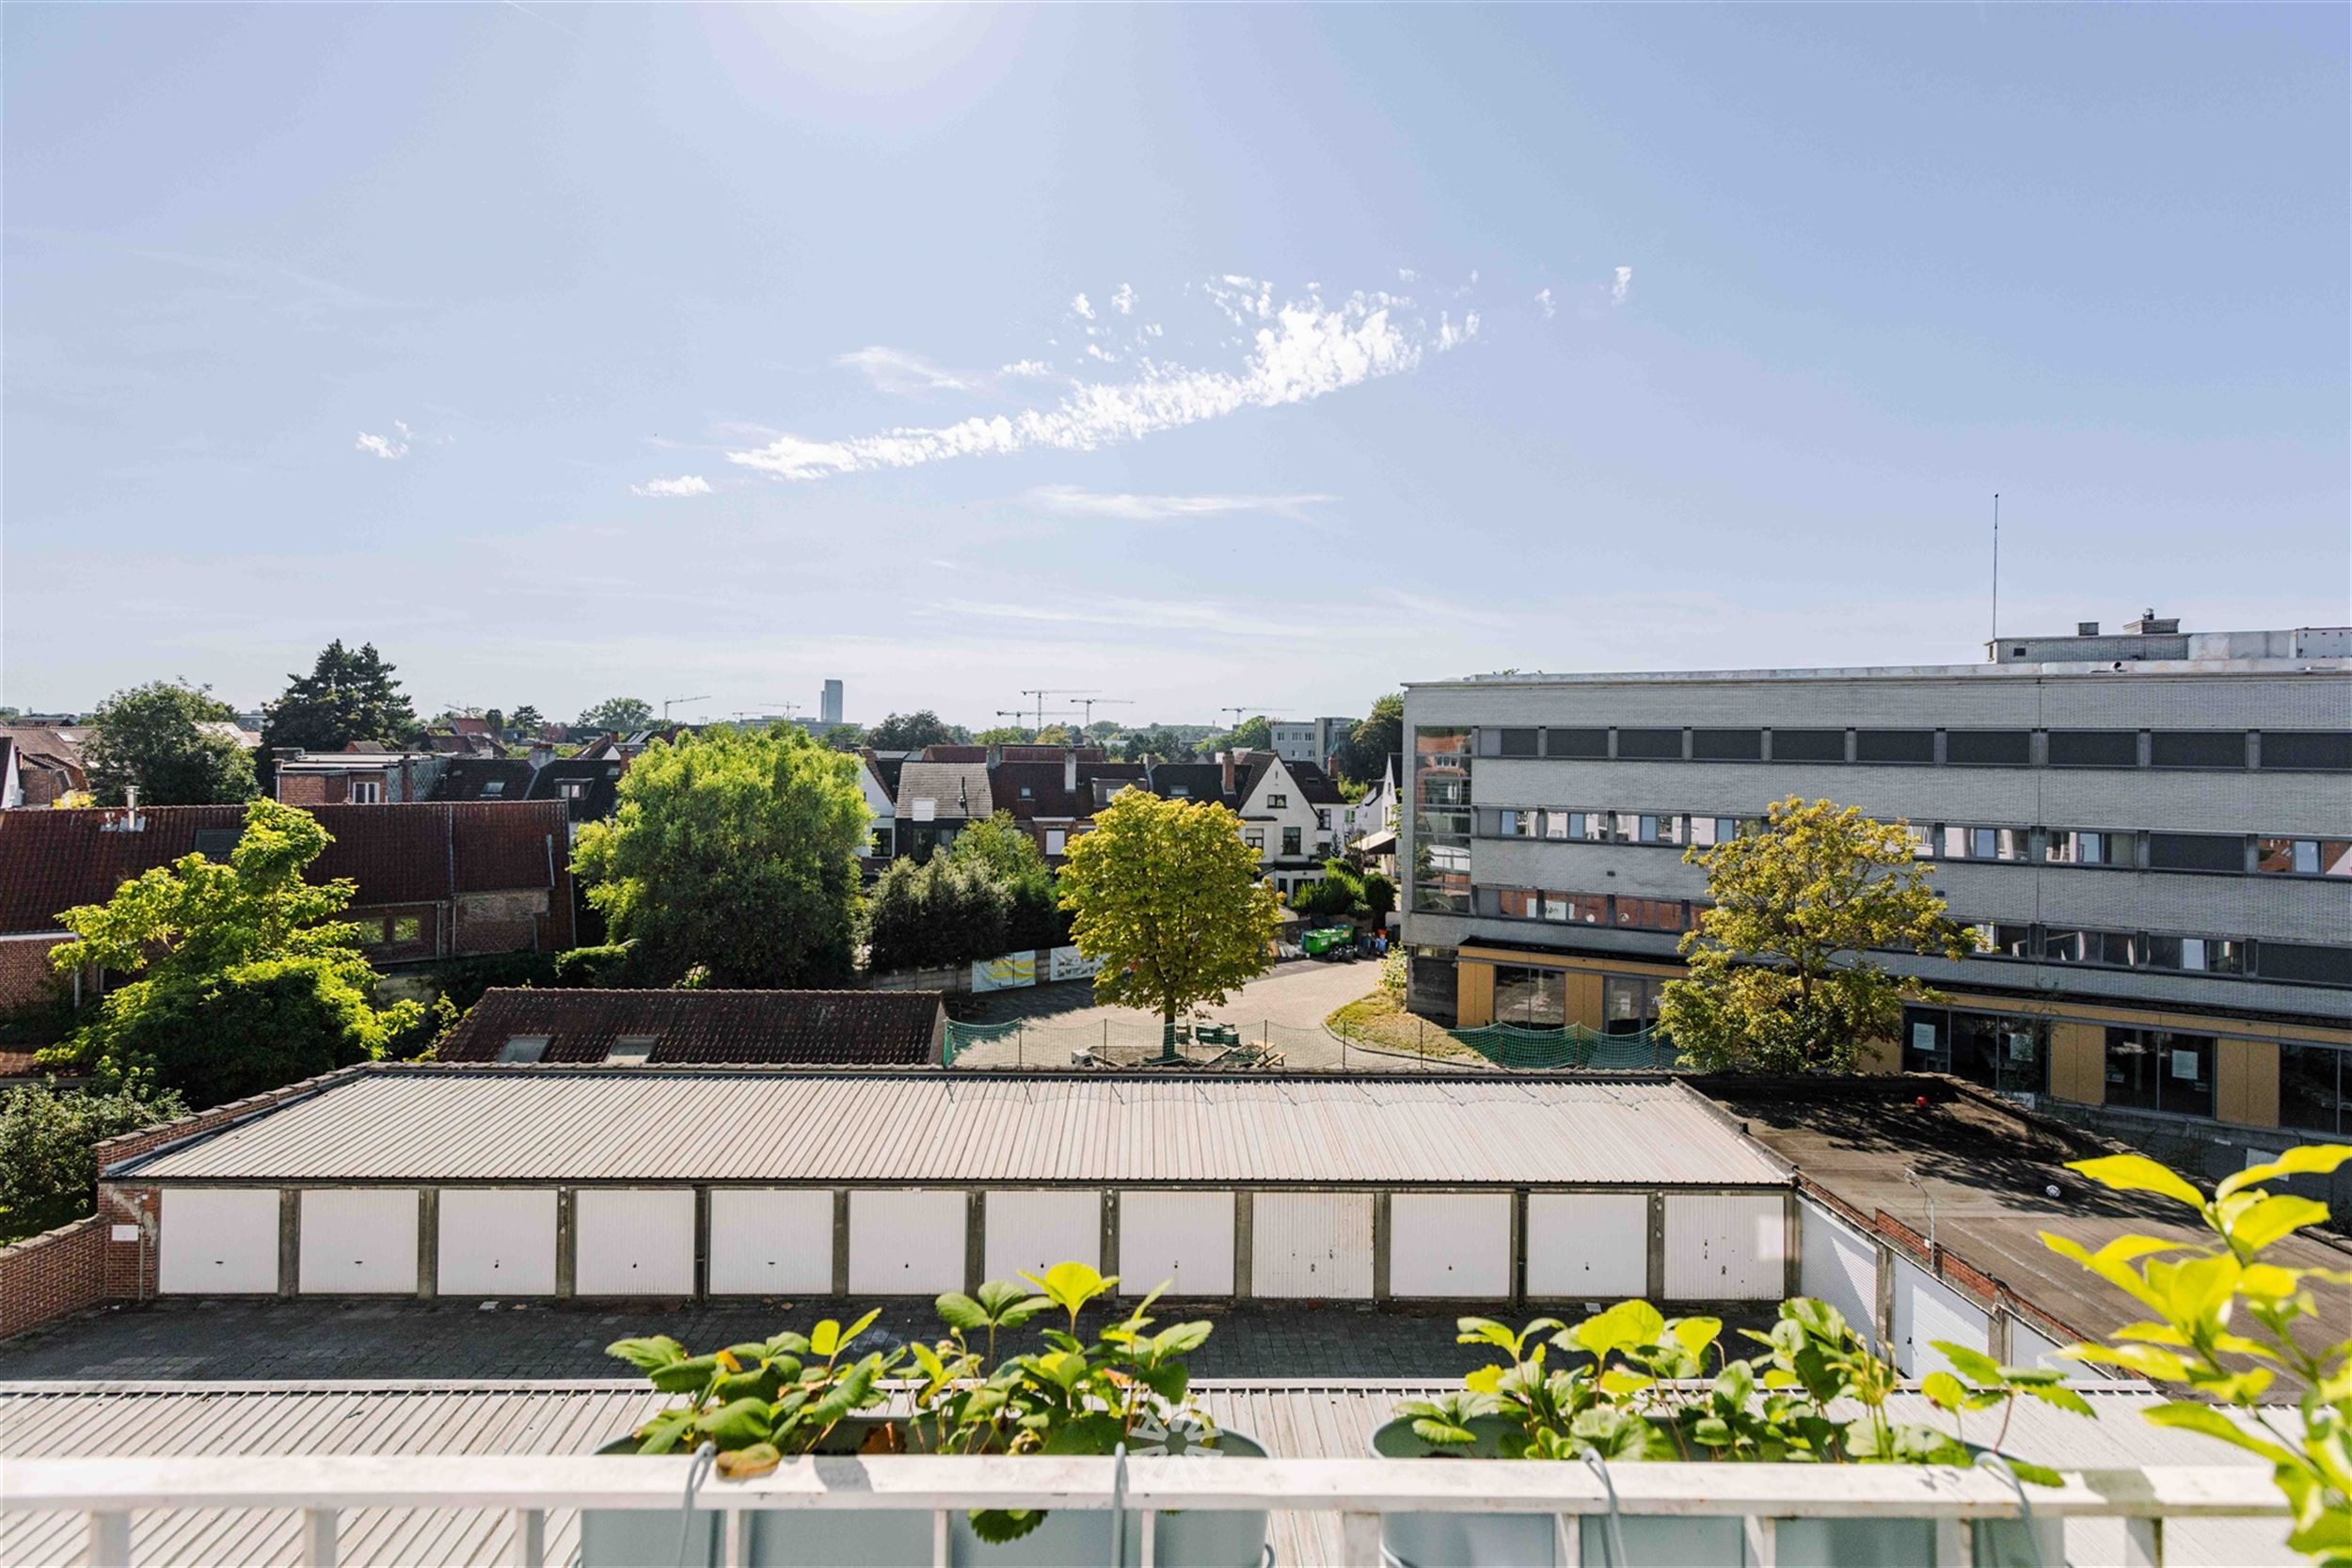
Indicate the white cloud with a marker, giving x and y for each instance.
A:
(685, 485)
(1072, 501)
(1624, 286)
(1124, 300)
(1543, 298)
(1025, 367)
(1084, 307)
(896, 371)
(1306, 350)
(1406, 275)
(392, 448)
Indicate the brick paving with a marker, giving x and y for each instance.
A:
(235, 1339)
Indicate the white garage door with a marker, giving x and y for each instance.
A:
(1927, 1310)
(633, 1241)
(1312, 1245)
(1182, 1240)
(1587, 1246)
(1455, 1247)
(770, 1241)
(1725, 1246)
(218, 1241)
(1840, 1266)
(359, 1240)
(497, 1241)
(1028, 1232)
(906, 1242)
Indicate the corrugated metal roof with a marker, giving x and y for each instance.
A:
(1333, 1418)
(488, 1124)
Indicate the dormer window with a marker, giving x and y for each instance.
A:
(523, 1048)
(1179, 792)
(1026, 792)
(631, 1049)
(493, 789)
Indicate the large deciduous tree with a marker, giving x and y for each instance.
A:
(152, 738)
(241, 978)
(1363, 756)
(624, 714)
(731, 853)
(911, 731)
(1167, 895)
(1783, 971)
(347, 696)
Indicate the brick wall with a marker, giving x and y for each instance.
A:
(25, 972)
(48, 1276)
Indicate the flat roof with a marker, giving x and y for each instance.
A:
(1328, 1419)
(532, 1124)
(2111, 670)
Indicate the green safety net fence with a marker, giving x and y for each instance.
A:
(962, 1036)
(1508, 1045)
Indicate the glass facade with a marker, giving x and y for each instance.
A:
(1531, 998)
(2156, 1069)
(1997, 1050)
(2312, 1082)
(1629, 1004)
(1441, 819)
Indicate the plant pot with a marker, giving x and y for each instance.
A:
(901, 1538)
(1526, 1540)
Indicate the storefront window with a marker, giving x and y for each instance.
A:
(1531, 998)
(1628, 1004)
(2155, 1069)
(2312, 1082)
(1442, 820)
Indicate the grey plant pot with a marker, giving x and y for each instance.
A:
(1526, 1540)
(894, 1537)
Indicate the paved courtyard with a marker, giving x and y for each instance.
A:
(1282, 1010)
(233, 1339)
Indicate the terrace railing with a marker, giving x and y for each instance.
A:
(109, 1492)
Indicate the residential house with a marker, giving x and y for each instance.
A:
(1369, 825)
(588, 786)
(1290, 813)
(431, 881)
(38, 767)
(638, 1028)
(358, 775)
(1056, 800)
(936, 800)
(483, 779)
(882, 805)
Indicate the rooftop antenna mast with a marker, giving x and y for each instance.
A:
(1997, 571)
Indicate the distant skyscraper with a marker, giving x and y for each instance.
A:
(830, 709)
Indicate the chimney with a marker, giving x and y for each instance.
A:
(1070, 771)
(2150, 626)
(2086, 628)
(1225, 761)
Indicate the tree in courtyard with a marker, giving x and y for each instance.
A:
(1167, 895)
(732, 852)
(624, 714)
(48, 1138)
(347, 696)
(911, 731)
(152, 739)
(1783, 970)
(242, 977)
(1363, 756)
(989, 893)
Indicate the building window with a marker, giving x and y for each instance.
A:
(2000, 940)
(493, 788)
(2196, 852)
(1590, 745)
(1894, 746)
(1531, 998)
(1277, 802)
(1441, 785)
(2197, 954)
(1988, 748)
(367, 792)
(1629, 1004)
(1576, 908)
(2002, 1051)
(1289, 841)
(1985, 843)
(2155, 1069)
(1254, 838)
(2095, 748)
(2074, 846)
(2304, 857)
(1650, 915)
(878, 845)
(2197, 749)
(1650, 745)
(2313, 750)
(630, 1050)
(1511, 743)
(370, 932)
(2312, 1082)
(1808, 745)
(1708, 832)
(2076, 945)
(1056, 840)
(523, 1048)
(1028, 793)
(1727, 745)
(408, 927)
(572, 789)
(1323, 818)
(2304, 962)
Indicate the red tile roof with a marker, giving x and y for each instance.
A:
(409, 854)
(881, 1028)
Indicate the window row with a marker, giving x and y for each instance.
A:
(2295, 750)
(1531, 997)
(2294, 962)
(1623, 912)
(2268, 854)
(396, 931)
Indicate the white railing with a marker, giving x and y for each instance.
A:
(108, 1491)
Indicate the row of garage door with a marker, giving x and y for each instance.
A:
(503, 1241)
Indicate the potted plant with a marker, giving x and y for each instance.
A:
(759, 1404)
(1646, 1395)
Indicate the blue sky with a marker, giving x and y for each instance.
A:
(1256, 356)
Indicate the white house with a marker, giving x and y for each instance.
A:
(1291, 814)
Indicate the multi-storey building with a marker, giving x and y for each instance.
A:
(2153, 832)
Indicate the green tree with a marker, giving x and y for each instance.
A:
(528, 720)
(911, 731)
(1251, 735)
(347, 696)
(151, 737)
(1056, 735)
(734, 853)
(1783, 971)
(1365, 754)
(935, 913)
(624, 714)
(844, 737)
(1158, 741)
(1167, 895)
(243, 978)
(1002, 735)
(48, 1172)
(1004, 849)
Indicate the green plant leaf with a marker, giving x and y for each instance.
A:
(2275, 1218)
(1943, 1391)
(2213, 1423)
(2137, 1173)
(2306, 1159)
(997, 1526)
(958, 1310)
(1625, 1325)
(691, 1376)
(2040, 1475)
(1974, 1365)
(2059, 1394)
(825, 1338)
(647, 1354)
(859, 1327)
(737, 1424)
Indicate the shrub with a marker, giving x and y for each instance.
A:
(48, 1174)
(594, 968)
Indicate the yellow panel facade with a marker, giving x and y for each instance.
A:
(2246, 1082)
(1474, 996)
(1584, 999)
(2078, 1062)
(1881, 1055)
